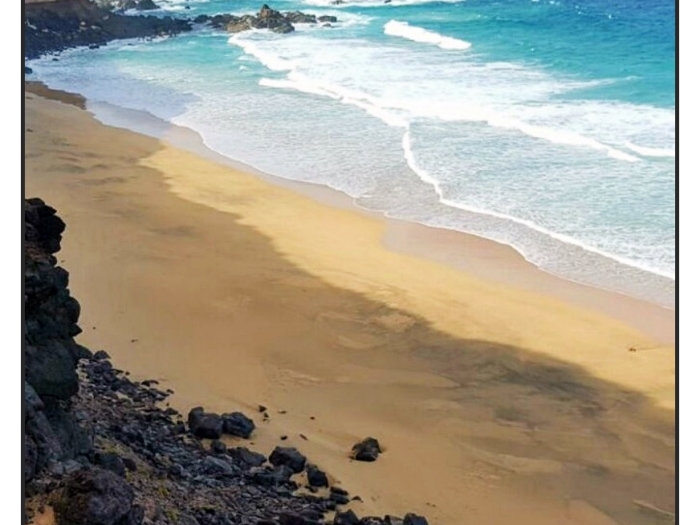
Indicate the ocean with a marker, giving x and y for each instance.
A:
(547, 125)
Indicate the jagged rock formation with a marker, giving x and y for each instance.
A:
(267, 18)
(102, 450)
(62, 24)
(124, 5)
(52, 433)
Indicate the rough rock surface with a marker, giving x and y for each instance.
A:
(54, 26)
(106, 450)
(366, 450)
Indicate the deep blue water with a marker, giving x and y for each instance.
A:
(548, 125)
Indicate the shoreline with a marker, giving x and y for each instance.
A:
(480, 256)
(495, 405)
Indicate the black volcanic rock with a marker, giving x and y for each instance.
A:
(205, 424)
(413, 519)
(238, 424)
(288, 456)
(316, 477)
(297, 17)
(95, 497)
(55, 26)
(108, 452)
(366, 450)
(244, 457)
(346, 518)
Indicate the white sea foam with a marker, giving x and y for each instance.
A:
(418, 34)
(397, 86)
(651, 152)
(376, 3)
(426, 177)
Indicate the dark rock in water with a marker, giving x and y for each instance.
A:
(297, 17)
(111, 462)
(219, 447)
(316, 477)
(238, 424)
(55, 26)
(288, 456)
(28, 70)
(346, 518)
(204, 424)
(366, 450)
(94, 497)
(243, 456)
(413, 519)
(273, 20)
(327, 18)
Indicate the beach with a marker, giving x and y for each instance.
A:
(501, 394)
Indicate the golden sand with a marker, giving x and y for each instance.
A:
(496, 404)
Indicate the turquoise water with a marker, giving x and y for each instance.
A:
(548, 125)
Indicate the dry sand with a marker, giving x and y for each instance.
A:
(496, 404)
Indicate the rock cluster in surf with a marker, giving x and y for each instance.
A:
(103, 449)
(51, 27)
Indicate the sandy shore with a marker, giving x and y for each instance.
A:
(496, 404)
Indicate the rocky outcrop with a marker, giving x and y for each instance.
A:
(267, 18)
(105, 450)
(52, 433)
(124, 5)
(62, 24)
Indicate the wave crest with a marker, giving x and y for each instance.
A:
(418, 34)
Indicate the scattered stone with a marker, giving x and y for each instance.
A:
(366, 450)
(262, 408)
(100, 354)
(288, 456)
(218, 447)
(94, 497)
(242, 455)
(346, 518)
(238, 424)
(205, 425)
(217, 466)
(316, 477)
(413, 519)
(283, 438)
(111, 462)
